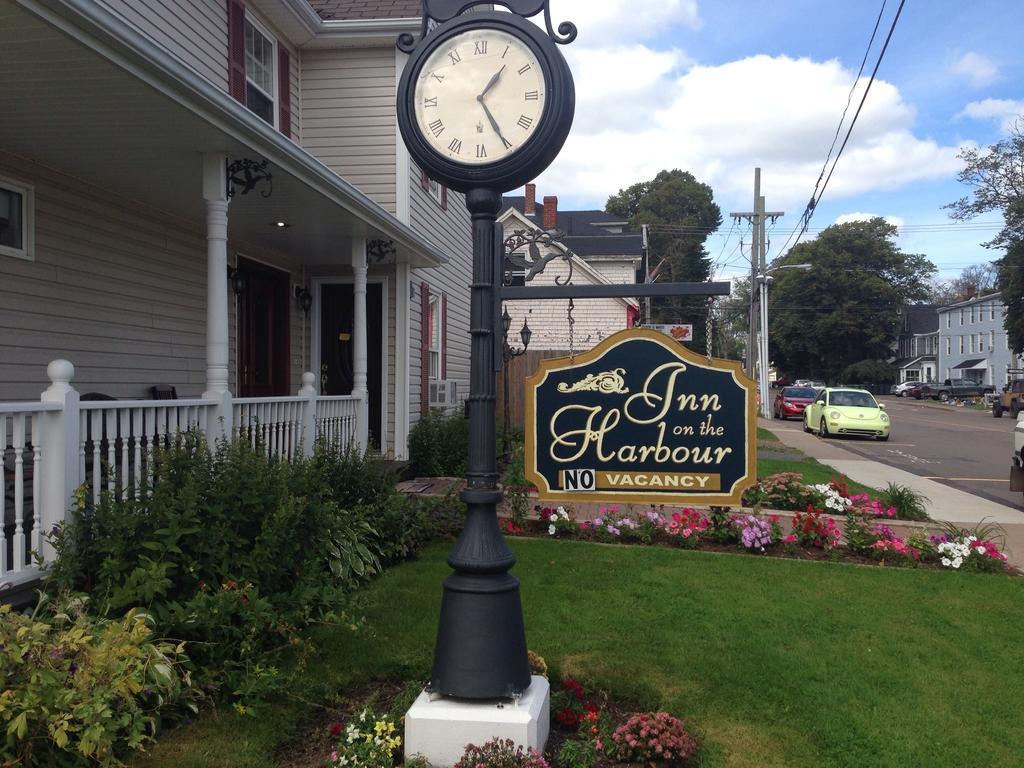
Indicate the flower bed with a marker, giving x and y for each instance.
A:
(858, 535)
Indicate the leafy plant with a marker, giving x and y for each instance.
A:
(439, 445)
(570, 704)
(500, 753)
(81, 690)
(813, 531)
(909, 504)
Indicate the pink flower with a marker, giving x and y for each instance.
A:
(687, 532)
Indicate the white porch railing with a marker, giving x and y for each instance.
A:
(53, 447)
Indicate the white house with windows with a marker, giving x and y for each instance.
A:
(916, 347)
(331, 298)
(973, 344)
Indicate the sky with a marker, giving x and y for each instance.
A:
(719, 87)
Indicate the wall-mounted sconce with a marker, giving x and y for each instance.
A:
(236, 279)
(304, 297)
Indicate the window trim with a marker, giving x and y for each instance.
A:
(28, 219)
(436, 336)
(274, 97)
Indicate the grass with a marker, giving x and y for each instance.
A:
(764, 435)
(776, 662)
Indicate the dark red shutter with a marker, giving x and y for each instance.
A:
(284, 91)
(236, 49)
(444, 198)
(444, 335)
(424, 179)
(424, 347)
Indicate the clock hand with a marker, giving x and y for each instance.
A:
(494, 123)
(491, 83)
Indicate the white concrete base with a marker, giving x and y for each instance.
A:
(439, 730)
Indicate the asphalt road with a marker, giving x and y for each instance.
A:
(962, 448)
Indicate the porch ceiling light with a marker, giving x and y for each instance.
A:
(304, 297)
(237, 279)
(281, 224)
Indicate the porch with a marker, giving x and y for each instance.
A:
(62, 451)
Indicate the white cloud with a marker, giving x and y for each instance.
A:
(604, 22)
(977, 69)
(846, 218)
(721, 121)
(1003, 111)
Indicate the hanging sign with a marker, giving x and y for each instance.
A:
(679, 332)
(640, 418)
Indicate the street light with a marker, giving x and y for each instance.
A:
(763, 281)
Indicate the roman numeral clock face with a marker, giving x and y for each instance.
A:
(479, 97)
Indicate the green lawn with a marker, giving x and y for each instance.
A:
(776, 662)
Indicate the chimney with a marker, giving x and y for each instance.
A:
(550, 212)
(530, 206)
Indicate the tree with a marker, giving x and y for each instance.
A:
(681, 214)
(975, 280)
(996, 178)
(845, 308)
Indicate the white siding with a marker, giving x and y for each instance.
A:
(196, 31)
(115, 288)
(450, 230)
(348, 116)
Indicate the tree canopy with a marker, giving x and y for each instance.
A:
(844, 308)
(975, 280)
(680, 213)
(996, 178)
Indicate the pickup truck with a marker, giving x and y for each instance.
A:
(953, 388)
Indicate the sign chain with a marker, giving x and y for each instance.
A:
(707, 327)
(572, 322)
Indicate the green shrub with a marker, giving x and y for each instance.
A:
(869, 372)
(439, 445)
(236, 552)
(80, 690)
(909, 504)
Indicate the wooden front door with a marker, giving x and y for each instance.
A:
(336, 349)
(263, 314)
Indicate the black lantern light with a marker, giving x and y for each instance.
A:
(304, 297)
(237, 279)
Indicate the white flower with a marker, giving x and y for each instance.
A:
(551, 530)
(957, 562)
(947, 562)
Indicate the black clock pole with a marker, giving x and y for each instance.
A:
(481, 641)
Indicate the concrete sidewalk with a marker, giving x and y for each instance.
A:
(945, 503)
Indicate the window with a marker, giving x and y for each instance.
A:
(913, 375)
(991, 341)
(961, 317)
(961, 345)
(434, 350)
(16, 213)
(981, 342)
(970, 344)
(992, 311)
(972, 314)
(259, 71)
(949, 345)
(949, 319)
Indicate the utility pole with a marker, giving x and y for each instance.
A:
(646, 315)
(758, 289)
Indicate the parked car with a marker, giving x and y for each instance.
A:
(953, 388)
(838, 411)
(1017, 460)
(802, 383)
(791, 401)
(903, 389)
(1010, 399)
(919, 390)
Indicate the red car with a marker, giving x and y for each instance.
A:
(791, 401)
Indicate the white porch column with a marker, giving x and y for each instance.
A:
(59, 466)
(216, 197)
(359, 362)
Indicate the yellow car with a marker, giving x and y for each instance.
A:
(844, 411)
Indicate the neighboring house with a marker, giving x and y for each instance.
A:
(123, 251)
(917, 344)
(602, 252)
(973, 343)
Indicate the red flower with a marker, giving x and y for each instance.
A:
(335, 729)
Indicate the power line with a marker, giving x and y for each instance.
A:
(815, 199)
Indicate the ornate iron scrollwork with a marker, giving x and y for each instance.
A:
(246, 173)
(436, 12)
(536, 262)
(380, 250)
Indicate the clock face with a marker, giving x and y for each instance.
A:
(480, 96)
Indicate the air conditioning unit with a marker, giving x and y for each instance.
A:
(443, 393)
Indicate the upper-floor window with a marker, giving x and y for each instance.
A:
(16, 215)
(992, 311)
(970, 343)
(991, 341)
(961, 317)
(961, 345)
(949, 345)
(972, 314)
(949, 319)
(260, 83)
